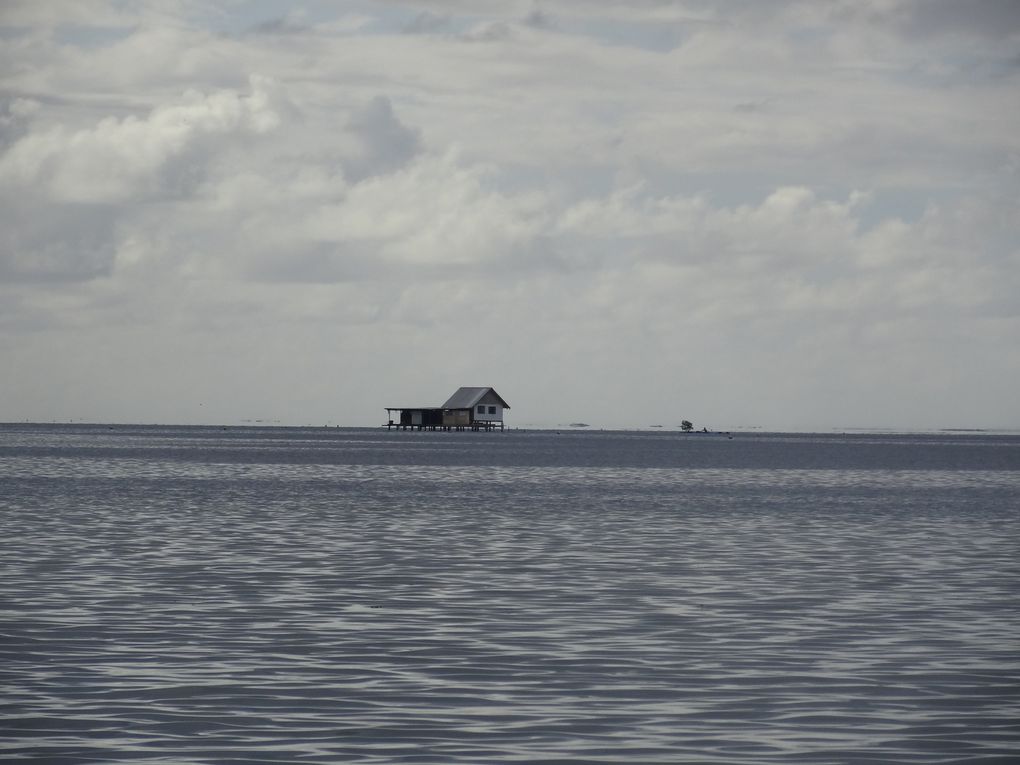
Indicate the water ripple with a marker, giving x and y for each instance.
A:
(160, 609)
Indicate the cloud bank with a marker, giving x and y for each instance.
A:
(792, 216)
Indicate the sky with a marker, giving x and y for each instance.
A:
(787, 215)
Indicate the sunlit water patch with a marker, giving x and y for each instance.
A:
(191, 595)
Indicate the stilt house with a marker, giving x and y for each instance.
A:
(468, 408)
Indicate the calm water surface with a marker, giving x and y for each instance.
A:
(243, 595)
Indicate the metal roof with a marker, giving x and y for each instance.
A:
(466, 398)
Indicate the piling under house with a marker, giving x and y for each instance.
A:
(467, 409)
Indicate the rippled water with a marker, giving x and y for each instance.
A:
(197, 595)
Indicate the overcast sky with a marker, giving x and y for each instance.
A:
(787, 215)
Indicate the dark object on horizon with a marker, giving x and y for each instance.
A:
(686, 426)
(579, 425)
(468, 408)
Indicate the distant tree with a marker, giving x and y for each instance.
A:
(686, 426)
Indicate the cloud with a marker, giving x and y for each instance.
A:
(27, 12)
(71, 242)
(539, 19)
(66, 190)
(121, 159)
(15, 116)
(382, 143)
(982, 18)
(492, 31)
(785, 210)
(428, 22)
(290, 24)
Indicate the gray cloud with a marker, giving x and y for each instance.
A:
(539, 19)
(283, 25)
(494, 31)
(384, 143)
(69, 242)
(427, 22)
(985, 18)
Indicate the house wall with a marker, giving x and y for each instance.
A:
(456, 418)
(489, 417)
(491, 398)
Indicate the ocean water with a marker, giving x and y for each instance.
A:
(242, 595)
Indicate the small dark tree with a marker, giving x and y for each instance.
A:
(686, 426)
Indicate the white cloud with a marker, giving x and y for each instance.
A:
(120, 159)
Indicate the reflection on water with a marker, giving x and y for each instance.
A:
(191, 597)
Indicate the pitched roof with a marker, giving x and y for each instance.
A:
(466, 398)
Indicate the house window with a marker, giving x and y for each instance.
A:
(481, 409)
(492, 410)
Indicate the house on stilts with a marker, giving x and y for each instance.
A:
(467, 409)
